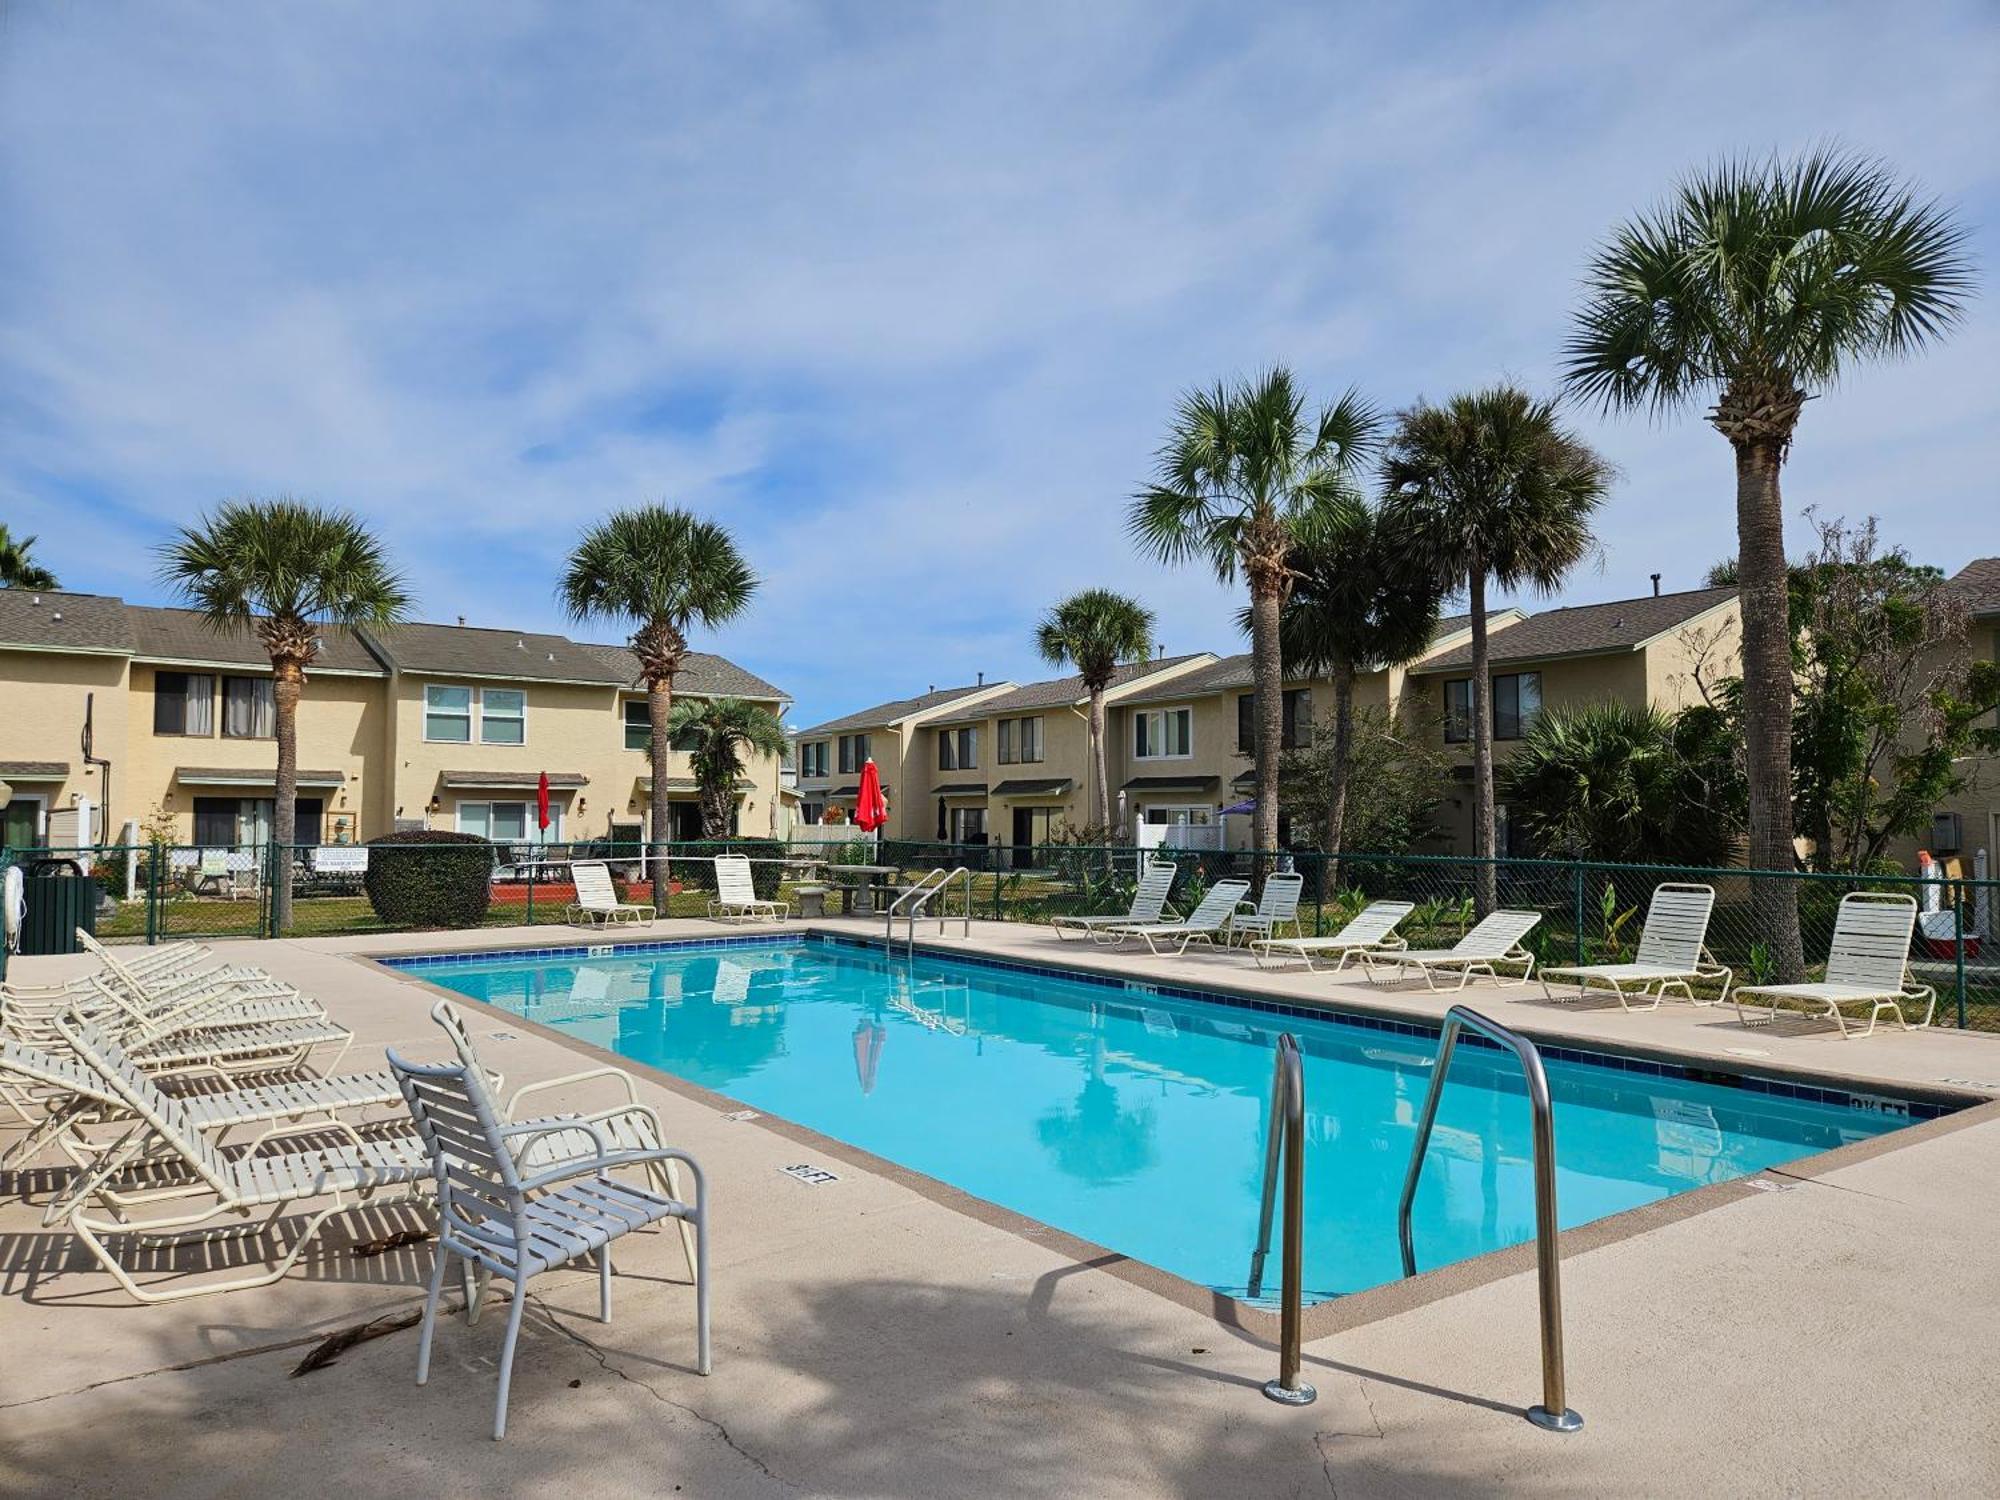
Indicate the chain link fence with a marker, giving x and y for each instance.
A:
(1590, 912)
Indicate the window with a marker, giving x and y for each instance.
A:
(503, 716)
(1509, 840)
(811, 812)
(853, 752)
(448, 714)
(1517, 701)
(958, 749)
(1020, 741)
(1297, 731)
(249, 708)
(1163, 734)
(968, 825)
(507, 822)
(245, 822)
(812, 760)
(638, 724)
(183, 703)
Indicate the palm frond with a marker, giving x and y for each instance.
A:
(1095, 632)
(658, 567)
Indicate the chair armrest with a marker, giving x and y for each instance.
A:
(589, 1075)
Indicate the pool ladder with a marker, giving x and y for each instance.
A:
(915, 903)
(1286, 1143)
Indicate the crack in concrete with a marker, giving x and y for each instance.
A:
(1321, 1438)
(603, 1359)
(191, 1364)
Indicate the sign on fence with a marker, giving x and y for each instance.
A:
(340, 859)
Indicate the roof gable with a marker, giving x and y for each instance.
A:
(703, 674)
(1620, 625)
(899, 708)
(1059, 692)
(473, 651)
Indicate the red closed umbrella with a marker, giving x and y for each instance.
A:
(871, 808)
(542, 804)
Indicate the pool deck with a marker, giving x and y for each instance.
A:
(1811, 1331)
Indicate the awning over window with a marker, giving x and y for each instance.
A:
(1053, 786)
(686, 784)
(1172, 784)
(33, 770)
(513, 781)
(960, 789)
(242, 776)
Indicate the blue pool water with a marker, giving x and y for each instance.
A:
(1136, 1121)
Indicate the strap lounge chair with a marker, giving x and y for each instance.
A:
(1278, 909)
(500, 1217)
(736, 896)
(216, 1193)
(1868, 963)
(1497, 940)
(1212, 916)
(597, 902)
(1673, 954)
(1149, 903)
(1371, 930)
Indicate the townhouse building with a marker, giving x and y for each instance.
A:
(829, 756)
(415, 726)
(1969, 823)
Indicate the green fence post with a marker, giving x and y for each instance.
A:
(1579, 911)
(155, 857)
(1958, 943)
(532, 868)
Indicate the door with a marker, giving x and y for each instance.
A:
(1023, 854)
(684, 822)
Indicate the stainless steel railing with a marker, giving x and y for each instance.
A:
(1553, 1413)
(1286, 1141)
(915, 902)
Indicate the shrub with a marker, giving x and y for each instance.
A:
(427, 878)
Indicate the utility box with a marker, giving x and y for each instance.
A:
(61, 897)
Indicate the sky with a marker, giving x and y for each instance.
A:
(903, 295)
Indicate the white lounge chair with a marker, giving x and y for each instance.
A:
(597, 902)
(499, 1222)
(1149, 902)
(1278, 908)
(219, 1188)
(1497, 940)
(1867, 963)
(736, 897)
(1673, 954)
(1202, 924)
(1372, 929)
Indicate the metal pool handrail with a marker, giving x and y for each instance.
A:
(1553, 1414)
(1288, 1131)
(915, 902)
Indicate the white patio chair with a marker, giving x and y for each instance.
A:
(736, 897)
(1149, 902)
(597, 902)
(1211, 916)
(1278, 908)
(1673, 954)
(498, 1222)
(1372, 929)
(1867, 963)
(1497, 940)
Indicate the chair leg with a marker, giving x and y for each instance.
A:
(701, 1280)
(430, 1313)
(604, 1284)
(514, 1312)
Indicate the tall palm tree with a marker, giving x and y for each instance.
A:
(1095, 631)
(17, 569)
(287, 570)
(1490, 488)
(716, 732)
(1757, 285)
(1359, 600)
(1239, 472)
(666, 570)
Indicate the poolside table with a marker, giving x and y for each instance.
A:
(890, 877)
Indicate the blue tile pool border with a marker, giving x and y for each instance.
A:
(1874, 1103)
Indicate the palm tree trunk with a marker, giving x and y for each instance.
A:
(285, 689)
(1761, 587)
(1343, 752)
(1268, 676)
(1485, 887)
(659, 703)
(1100, 759)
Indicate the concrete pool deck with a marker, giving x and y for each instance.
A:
(1814, 1332)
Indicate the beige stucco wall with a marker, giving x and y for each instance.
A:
(1706, 649)
(42, 697)
(1978, 806)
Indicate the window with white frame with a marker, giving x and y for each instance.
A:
(507, 822)
(448, 713)
(968, 825)
(1163, 734)
(503, 716)
(958, 749)
(638, 724)
(1020, 741)
(1194, 814)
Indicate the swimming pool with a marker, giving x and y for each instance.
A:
(1133, 1117)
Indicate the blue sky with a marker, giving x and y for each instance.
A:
(901, 294)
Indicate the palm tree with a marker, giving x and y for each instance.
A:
(715, 732)
(1240, 471)
(17, 569)
(667, 570)
(1491, 488)
(1358, 600)
(287, 570)
(1095, 631)
(1757, 285)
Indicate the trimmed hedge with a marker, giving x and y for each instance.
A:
(429, 878)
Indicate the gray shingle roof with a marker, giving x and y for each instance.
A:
(472, 651)
(58, 621)
(895, 708)
(558, 780)
(1587, 629)
(703, 674)
(33, 770)
(1977, 583)
(181, 635)
(1056, 692)
(252, 776)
